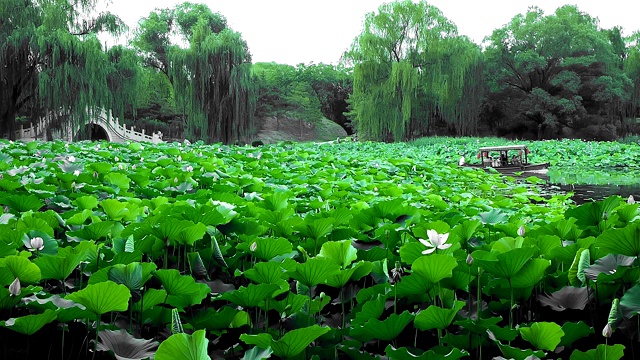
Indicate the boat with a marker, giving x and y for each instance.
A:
(506, 159)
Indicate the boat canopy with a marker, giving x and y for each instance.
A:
(503, 148)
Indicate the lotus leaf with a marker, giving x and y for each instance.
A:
(30, 324)
(124, 346)
(103, 297)
(291, 344)
(184, 347)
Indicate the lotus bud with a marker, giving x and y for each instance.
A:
(37, 243)
(469, 260)
(253, 246)
(607, 331)
(116, 159)
(73, 185)
(95, 174)
(396, 273)
(179, 157)
(605, 216)
(189, 168)
(631, 200)
(14, 288)
(175, 180)
(521, 230)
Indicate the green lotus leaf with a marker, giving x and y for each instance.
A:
(289, 305)
(315, 271)
(293, 343)
(183, 291)
(530, 274)
(465, 231)
(495, 216)
(372, 309)
(316, 228)
(128, 275)
(355, 272)
(257, 353)
(80, 218)
(434, 267)
(385, 330)
(627, 212)
(413, 284)
(341, 252)
(59, 267)
(278, 200)
(196, 265)
(504, 265)
(114, 209)
(126, 346)
(94, 231)
(30, 324)
(266, 273)
(574, 331)
(213, 319)
(103, 297)
(630, 301)
(543, 335)
(215, 215)
(86, 202)
(601, 352)
(435, 317)
(404, 354)
(191, 234)
(250, 296)
(621, 241)
(580, 263)
(593, 213)
(21, 203)
(12, 267)
(184, 347)
(510, 352)
(120, 181)
(151, 298)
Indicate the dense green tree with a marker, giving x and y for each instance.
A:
(211, 76)
(51, 62)
(557, 72)
(332, 85)
(411, 67)
(632, 70)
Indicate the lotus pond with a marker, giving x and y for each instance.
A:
(309, 251)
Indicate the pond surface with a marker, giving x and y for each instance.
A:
(594, 183)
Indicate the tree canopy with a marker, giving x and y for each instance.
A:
(557, 72)
(411, 67)
(211, 77)
(51, 62)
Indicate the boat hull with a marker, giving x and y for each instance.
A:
(542, 167)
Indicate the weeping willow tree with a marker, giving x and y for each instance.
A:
(51, 63)
(410, 68)
(211, 78)
(632, 70)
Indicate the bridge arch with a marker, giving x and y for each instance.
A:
(93, 131)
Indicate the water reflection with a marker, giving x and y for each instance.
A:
(593, 184)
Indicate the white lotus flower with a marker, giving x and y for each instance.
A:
(71, 158)
(116, 159)
(37, 243)
(521, 230)
(631, 200)
(76, 172)
(189, 168)
(435, 241)
(461, 162)
(15, 288)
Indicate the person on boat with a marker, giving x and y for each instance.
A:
(503, 158)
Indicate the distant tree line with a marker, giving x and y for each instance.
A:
(408, 74)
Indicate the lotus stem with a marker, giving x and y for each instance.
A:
(511, 305)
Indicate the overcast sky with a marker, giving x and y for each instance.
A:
(305, 31)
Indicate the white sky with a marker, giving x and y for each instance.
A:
(315, 31)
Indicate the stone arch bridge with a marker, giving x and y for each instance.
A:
(100, 127)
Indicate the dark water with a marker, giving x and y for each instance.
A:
(593, 184)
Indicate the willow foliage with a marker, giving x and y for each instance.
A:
(211, 78)
(410, 68)
(51, 63)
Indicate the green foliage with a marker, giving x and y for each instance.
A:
(400, 81)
